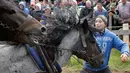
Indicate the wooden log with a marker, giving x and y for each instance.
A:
(121, 32)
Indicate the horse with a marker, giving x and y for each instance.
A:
(17, 29)
(18, 26)
(21, 23)
(71, 36)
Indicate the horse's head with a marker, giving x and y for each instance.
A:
(15, 24)
(90, 52)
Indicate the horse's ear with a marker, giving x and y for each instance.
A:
(85, 22)
(85, 25)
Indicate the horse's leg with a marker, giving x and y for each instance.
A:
(66, 46)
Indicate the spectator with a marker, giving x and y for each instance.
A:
(37, 12)
(115, 15)
(46, 15)
(32, 6)
(85, 11)
(82, 3)
(112, 2)
(100, 11)
(124, 11)
(22, 6)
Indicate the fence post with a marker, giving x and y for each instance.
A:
(126, 37)
(110, 22)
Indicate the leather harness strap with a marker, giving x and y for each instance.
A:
(23, 25)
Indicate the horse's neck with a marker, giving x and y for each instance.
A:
(66, 46)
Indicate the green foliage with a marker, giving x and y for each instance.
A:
(75, 63)
(116, 64)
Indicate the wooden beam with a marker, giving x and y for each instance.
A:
(126, 37)
(121, 32)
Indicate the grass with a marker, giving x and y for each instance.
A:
(114, 63)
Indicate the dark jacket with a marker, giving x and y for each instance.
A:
(85, 11)
(36, 14)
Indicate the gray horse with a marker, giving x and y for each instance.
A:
(19, 27)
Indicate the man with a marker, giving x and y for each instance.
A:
(85, 11)
(115, 16)
(100, 10)
(106, 40)
(124, 11)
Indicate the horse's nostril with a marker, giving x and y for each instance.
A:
(43, 29)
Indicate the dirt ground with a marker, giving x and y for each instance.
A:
(66, 70)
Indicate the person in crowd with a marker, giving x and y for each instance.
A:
(32, 6)
(124, 11)
(115, 16)
(37, 13)
(46, 15)
(85, 11)
(82, 3)
(106, 40)
(100, 10)
(22, 6)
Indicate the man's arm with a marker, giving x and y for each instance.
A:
(122, 47)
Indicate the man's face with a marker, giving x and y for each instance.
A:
(123, 1)
(88, 5)
(99, 6)
(99, 24)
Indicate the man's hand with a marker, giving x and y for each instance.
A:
(111, 14)
(124, 57)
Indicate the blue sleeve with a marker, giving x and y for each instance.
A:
(26, 11)
(120, 45)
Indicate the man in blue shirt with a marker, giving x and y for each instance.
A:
(106, 40)
(100, 10)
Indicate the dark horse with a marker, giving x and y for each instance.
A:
(71, 37)
(16, 24)
(19, 27)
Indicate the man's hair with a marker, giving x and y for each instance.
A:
(99, 3)
(103, 18)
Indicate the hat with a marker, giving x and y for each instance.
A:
(112, 5)
(39, 5)
(47, 8)
(103, 18)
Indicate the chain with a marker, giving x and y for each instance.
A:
(9, 28)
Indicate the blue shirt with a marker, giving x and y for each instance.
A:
(103, 12)
(106, 41)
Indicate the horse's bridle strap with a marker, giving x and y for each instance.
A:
(98, 56)
(20, 28)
